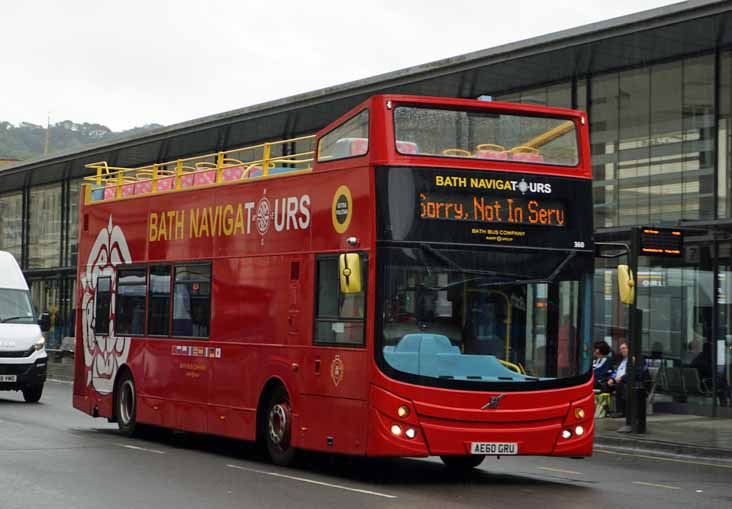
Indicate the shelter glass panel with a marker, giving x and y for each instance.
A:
(44, 228)
(11, 223)
(724, 137)
(73, 226)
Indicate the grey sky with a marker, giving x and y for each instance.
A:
(129, 63)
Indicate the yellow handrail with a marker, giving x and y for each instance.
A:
(513, 367)
(112, 177)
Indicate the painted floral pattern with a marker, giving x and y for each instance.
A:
(103, 354)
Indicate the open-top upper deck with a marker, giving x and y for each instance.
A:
(398, 130)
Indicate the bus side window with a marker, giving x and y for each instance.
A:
(130, 304)
(192, 300)
(339, 317)
(158, 313)
(350, 139)
(101, 306)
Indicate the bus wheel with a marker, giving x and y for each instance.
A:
(462, 462)
(33, 393)
(278, 429)
(126, 405)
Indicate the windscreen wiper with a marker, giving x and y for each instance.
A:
(452, 263)
(546, 280)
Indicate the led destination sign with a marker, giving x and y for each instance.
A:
(661, 242)
(492, 209)
(483, 207)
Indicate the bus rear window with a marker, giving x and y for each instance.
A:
(486, 135)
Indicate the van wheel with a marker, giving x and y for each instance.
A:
(278, 428)
(125, 408)
(33, 393)
(462, 463)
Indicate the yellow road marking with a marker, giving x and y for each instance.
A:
(658, 458)
(654, 485)
(561, 471)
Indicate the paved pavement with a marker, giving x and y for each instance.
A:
(689, 435)
(52, 456)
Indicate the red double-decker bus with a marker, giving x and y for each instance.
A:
(413, 280)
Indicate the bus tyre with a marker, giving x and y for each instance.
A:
(32, 394)
(278, 428)
(125, 408)
(462, 463)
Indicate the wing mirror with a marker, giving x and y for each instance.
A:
(349, 271)
(626, 284)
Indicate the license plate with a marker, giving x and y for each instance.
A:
(8, 378)
(494, 448)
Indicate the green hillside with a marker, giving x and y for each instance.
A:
(27, 141)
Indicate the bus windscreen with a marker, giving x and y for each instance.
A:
(509, 137)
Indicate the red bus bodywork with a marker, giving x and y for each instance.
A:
(262, 315)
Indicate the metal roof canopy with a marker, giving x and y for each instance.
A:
(638, 39)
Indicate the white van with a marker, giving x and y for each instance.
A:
(23, 358)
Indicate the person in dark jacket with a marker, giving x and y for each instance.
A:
(601, 364)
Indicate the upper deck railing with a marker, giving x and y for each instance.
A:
(225, 167)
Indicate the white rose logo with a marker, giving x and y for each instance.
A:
(103, 354)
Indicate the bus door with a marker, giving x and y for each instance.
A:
(335, 369)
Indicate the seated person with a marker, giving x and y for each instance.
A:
(617, 380)
(601, 365)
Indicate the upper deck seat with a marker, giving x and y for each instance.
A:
(349, 147)
(165, 183)
(256, 171)
(202, 178)
(97, 193)
(491, 151)
(143, 187)
(529, 158)
(407, 147)
(110, 191)
(526, 154)
(232, 173)
(186, 180)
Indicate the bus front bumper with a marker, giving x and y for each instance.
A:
(427, 431)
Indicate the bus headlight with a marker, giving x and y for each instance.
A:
(566, 434)
(40, 344)
(403, 411)
(579, 413)
(579, 430)
(396, 430)
(410, 433)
